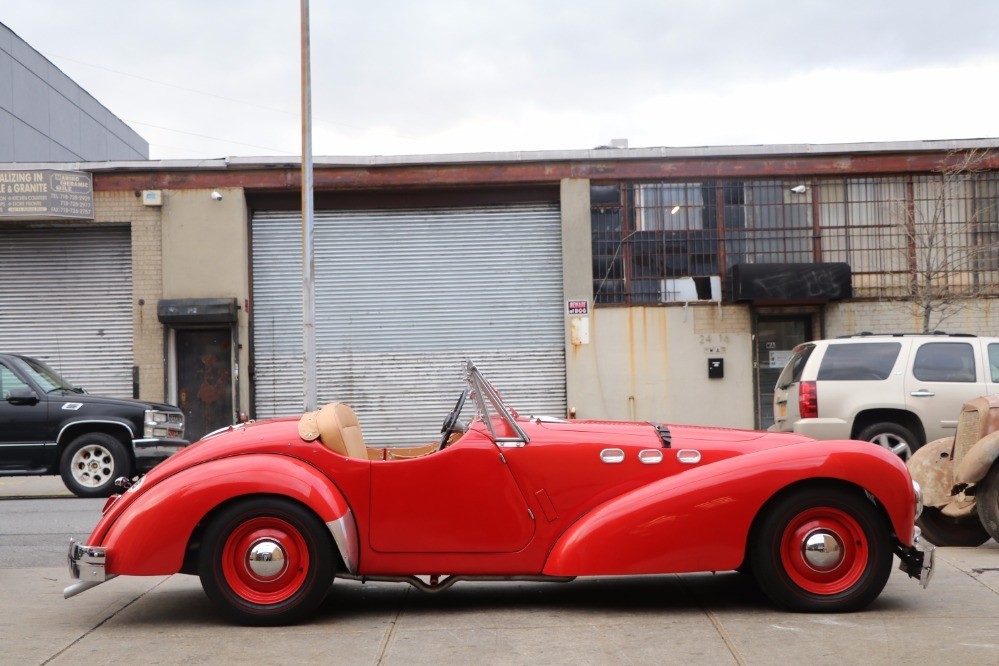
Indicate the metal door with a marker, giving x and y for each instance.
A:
(776, 337)
(204, 379)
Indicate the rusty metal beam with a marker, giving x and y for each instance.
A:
(284, 178)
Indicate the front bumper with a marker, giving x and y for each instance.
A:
(86, 564)
(151, 452)
(917, 559)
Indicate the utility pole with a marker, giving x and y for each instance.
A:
(308, 223)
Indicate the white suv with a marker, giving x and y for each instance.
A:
(899, 391)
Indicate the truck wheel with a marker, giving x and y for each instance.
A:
(91, 463)
(822, 550)
(266, 561)
(941, 530)
(987, 502)
(896, 438)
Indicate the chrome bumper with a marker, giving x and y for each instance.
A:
(917, 560)
(86, 564)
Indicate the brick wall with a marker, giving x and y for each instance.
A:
(147, 283)
(977, 316)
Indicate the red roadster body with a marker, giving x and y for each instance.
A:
(268, 513)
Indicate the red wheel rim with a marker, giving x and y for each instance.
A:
(836, 572)
(280, 581)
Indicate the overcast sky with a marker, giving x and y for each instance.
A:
(212, 78)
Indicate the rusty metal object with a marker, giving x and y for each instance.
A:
(932, 467)
(977, 462)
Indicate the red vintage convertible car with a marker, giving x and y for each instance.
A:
(269, 513)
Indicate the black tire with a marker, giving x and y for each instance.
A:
(291, 582)
(987, 502)
(858, 534)
(942, 530)
(91, 462)
(896, 438)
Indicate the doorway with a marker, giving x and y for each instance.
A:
(776, 337)
(204, 379)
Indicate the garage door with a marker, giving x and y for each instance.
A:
(66, 298)
(402, 298)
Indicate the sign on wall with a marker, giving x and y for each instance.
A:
(43, 193)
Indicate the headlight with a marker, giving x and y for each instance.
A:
(163, 425)
(919, 498)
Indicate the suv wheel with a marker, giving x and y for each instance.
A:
(896, 438)
(92, 462)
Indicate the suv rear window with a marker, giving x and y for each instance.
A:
(791, 374)
(866, 361)
(945, 362)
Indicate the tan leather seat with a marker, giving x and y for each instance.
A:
(336, 426)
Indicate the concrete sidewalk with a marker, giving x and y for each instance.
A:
(690, 619)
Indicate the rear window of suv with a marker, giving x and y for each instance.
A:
(865, 361)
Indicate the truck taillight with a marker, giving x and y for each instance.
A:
(808, 400)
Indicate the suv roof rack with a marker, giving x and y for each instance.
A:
(865, 334)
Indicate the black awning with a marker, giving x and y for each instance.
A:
(196, 310)
(791, 283)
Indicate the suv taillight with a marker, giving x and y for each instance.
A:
(808, 400)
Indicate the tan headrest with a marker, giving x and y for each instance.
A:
(336, 426)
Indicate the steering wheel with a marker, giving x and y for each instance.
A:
(452, 419)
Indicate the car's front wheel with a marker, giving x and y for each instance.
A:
(91, 462)
(988, 502)
(266, 561)
(822, 550)
(941, 530)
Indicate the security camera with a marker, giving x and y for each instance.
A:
(797, 189)
(216, 195)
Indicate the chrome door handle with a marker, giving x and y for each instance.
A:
(923, 393)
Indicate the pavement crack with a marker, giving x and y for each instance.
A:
(99, 625)
(716, 622)
(387, 639)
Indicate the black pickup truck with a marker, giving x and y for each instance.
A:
(47, 426)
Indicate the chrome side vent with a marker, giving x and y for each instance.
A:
(967, 433)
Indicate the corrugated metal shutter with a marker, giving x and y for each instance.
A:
(66, 299)
(402, 298)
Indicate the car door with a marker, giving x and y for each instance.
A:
(941, 377)
(463, 499)
(25, 437)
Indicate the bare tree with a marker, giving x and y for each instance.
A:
(950, 226)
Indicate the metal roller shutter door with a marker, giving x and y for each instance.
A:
(402, 298)
(66, 299)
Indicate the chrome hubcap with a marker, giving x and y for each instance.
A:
(266, 560)
(822, 550)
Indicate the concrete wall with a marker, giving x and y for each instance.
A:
(46, 117)
(206, 253)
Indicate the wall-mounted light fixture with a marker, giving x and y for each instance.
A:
(799, 189)
(676, 209)
(216, 195)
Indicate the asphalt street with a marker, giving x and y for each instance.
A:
(689, 619)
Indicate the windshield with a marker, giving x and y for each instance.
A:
(47, 378)
(496, 414)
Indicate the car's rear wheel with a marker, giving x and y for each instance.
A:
(266, 561)
(822, 550)
(896, 438)
(942, 530)
(91, 462)
(987, 502)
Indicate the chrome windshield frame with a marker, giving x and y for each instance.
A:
(485, 395)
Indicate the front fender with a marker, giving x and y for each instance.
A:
(150, 536)
(932, 467)
(977, 462)
(699, 520)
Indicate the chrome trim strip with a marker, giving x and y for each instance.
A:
(344, 531)
(131, 433)
(28, 444)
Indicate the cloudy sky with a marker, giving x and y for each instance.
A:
(213, 78)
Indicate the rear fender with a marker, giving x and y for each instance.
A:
(699, 520)
(977, 462)
(151, 535)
